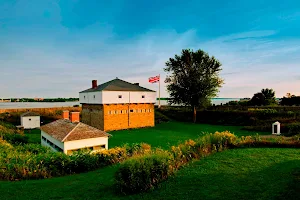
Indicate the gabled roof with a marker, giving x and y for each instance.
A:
(64, 130)
(118, 85)
(29, 114)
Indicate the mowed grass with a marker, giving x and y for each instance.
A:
(261, 173)
(172, 133)
(162, 135)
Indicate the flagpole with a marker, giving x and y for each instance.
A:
(159, 92)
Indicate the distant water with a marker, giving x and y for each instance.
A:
(6, 105)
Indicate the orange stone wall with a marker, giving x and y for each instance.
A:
(141, 115)
(115, 116)
(110, 117)
(124, 116)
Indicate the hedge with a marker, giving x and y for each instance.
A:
(256, 119)
(33, 161)
(144, 172)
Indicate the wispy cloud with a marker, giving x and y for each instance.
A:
(42, 68)
(50, 48)
(246, 63)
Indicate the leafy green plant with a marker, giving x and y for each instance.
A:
(32, 161)
(159, 117)
(293, 129)
(142, 173)
(58, 112)
(16, 138)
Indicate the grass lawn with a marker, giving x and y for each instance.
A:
(232, 174)
(34, 135)
(162, 135)
(167, 134)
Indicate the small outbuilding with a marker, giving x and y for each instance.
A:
(69, 134)
(276, 128)
(30, 120)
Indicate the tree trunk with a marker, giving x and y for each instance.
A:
(195, 115)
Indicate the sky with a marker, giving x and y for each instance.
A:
(54, 48)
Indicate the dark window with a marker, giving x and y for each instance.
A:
(120, 96)
(94, 96)
(29, 119)
(143, 96)
(131, 110)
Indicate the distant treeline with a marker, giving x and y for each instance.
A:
(292, 101)
(285, 101)
(44, 100)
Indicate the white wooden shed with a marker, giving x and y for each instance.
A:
(30, 120)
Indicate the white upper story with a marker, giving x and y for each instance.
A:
(117, 92)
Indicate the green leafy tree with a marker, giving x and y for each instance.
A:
(269, 96)
(193, 79)
(258, 99)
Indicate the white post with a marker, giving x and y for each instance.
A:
(276, 131)
(159, 92)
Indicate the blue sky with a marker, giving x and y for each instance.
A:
(54, 48)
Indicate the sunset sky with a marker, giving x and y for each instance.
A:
(54, 48)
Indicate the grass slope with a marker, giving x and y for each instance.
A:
(233, 174)
(172, 133)
(34, 135)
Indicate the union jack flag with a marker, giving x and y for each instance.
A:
(154, 79)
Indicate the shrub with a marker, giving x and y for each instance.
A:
(265, 111)
(293, 129)
(32, 148)
(111, 156)
(16, 138)
(137, 148)
(142, 173)
(32, 161)
(58, 112)
(159, 117)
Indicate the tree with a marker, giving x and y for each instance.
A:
(193, 79)
(269, 96)
(258, 99)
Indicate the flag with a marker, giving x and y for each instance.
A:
(154, 79)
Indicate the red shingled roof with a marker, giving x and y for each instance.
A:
(64, 130)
